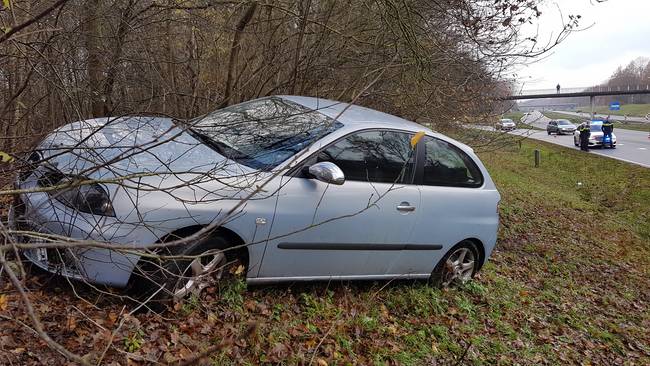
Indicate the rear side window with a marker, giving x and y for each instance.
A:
(373, 156)
(447, 165)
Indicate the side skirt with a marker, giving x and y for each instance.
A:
(269, 280)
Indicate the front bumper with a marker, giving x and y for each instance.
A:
(39, 225)
(596, 143)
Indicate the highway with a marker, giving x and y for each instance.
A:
(633, 146)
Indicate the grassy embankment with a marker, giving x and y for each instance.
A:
(626, 109)
(569, 283)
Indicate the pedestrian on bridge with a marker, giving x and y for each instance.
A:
(558, 88)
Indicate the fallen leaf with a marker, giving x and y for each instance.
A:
(71, 322)
(239, 270)
(3, 302)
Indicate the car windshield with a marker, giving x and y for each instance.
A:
(563, 122)
(506, 121)
(596, 127)
(262, 133)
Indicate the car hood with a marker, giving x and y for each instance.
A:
(126, 145)
(600, 134)
(149, 150)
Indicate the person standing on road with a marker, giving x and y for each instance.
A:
(584, 136)
(558, 88)
(607, 128)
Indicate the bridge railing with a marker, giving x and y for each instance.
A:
(598, 88)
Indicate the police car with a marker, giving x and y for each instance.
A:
(596, 136)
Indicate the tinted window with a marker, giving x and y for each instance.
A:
(447, 165)
(374, 156)
(262, 133)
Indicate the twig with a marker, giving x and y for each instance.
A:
(38, 327)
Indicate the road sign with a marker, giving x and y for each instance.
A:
(615, 106)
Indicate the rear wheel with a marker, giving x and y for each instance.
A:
(457, 266)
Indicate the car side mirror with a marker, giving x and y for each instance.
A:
(327, 172)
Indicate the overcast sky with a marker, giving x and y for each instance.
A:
(619, 33)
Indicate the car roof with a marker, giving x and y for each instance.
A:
(351, 114)
(357, 117)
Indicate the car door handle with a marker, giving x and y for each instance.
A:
(405, 207)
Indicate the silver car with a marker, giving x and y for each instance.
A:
(506, 124)
(295, 188)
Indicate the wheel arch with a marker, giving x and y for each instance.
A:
(480, 247)
(240, 252)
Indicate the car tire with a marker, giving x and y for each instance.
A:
(165, 282)
(548, 132)
(459, 265)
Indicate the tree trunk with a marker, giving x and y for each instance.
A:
(92, 36)
(234, 52)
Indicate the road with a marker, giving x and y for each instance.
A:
(613, 117)
(633, 146)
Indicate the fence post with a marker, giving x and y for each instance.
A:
(537, 158)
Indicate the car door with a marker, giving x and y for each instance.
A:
(453, 206)
(353, 230)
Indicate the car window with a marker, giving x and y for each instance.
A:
(447, 165)
(373, 156)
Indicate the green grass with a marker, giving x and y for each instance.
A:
(639, 110)
(569, 283)
(555, 115)
(515, 116)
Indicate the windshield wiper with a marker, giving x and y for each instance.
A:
(216, 145)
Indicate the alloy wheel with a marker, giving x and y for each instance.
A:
(201, 272)
(459, 267)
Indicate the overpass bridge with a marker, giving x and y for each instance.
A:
(591, 92)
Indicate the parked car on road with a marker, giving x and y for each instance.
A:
(560, 126)
(596, 136)
(332, 191)
(506, 124)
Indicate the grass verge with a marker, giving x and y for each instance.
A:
(626, 109)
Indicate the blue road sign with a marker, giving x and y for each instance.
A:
(615, 106)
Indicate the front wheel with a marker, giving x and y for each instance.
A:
(182, 272)
(457, 266)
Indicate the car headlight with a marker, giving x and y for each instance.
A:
(90, 198)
